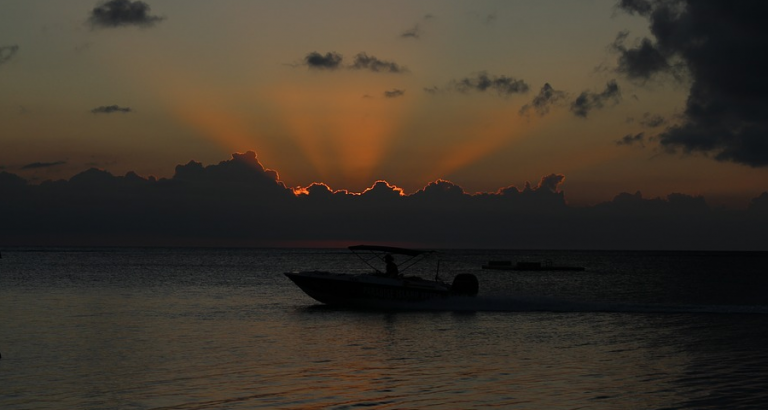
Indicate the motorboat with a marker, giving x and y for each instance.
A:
(377, 288)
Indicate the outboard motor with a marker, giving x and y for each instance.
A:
(465, 284)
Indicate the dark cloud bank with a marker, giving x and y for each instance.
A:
(240, 203)
(718, 47)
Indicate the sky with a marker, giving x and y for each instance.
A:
(592, 101)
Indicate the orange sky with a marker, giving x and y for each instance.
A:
(205, 80)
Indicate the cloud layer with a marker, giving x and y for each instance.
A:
(239, 202)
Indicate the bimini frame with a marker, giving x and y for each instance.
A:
(376, 252)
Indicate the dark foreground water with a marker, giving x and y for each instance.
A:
(224, 329)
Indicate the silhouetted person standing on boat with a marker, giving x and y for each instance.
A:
(391, 266)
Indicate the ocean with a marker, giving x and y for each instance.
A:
(155, 328)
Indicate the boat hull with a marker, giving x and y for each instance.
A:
(367, 290)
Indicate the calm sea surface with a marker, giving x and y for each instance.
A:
(123, 328)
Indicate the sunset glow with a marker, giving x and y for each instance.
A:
(488, 134)
(342, 134)
(483, 95)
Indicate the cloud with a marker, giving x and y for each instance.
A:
(39, 165)
(759, 205)
(239, 202)
(541, 103)
(414, 32)
(551, 182)
(394, 93)
(242, 168)
(316, 190)
(329, 61)
(362, 61)
(119, 13)
(630, 139)
(382, 191)
(652, 120)
(109, 109)
(588, 101)
(365, 62)
(7, 53)
(642, 62)
(481, 82)
(719, 44)
(502, 84)
(441, 189)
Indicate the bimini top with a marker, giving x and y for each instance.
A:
(389, 249)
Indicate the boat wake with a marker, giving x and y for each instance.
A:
(517, 303)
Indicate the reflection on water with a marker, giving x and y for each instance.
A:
(214, 329)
